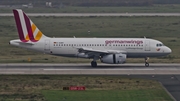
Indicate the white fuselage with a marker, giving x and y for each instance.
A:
(68, 47)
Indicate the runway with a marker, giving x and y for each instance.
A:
(94, 14)
(167, 74)
(86, 69)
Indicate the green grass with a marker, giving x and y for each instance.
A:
(107, 95)
(98, 88)
(173, 8)
(165, 29)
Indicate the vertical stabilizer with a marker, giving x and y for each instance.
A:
(26, 28)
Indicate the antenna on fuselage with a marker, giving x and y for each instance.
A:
(144, 37)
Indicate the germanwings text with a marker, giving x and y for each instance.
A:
(124, 42)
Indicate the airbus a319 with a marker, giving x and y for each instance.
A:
(108, 50)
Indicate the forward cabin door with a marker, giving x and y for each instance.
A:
(147, 45)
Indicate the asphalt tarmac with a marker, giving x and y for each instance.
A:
(86, 69)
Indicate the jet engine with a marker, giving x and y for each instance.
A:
(114, 58)
(82, 55)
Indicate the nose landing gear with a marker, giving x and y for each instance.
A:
(146, 62)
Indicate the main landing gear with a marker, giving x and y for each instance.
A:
(94, 64)
(146, 62)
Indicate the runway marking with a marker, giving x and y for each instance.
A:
(87, 69)
(12, 72)
(15, 69)
(94, 69)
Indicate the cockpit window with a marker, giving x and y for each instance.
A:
(159, 45)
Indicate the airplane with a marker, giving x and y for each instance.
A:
(107, 50)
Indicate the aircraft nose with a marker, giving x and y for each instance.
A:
(168, 50)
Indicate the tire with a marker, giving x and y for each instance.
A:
(93, 64)
(147, 64)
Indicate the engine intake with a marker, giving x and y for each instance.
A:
(82, 55)
(114, 58)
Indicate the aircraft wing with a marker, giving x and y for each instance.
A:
(91, 52)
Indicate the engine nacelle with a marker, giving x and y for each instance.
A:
(114, 58)
(82, 55)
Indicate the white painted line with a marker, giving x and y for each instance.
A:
(14, 69)
(93, 69)
(12, 73)
(167, 69)
(134, 69)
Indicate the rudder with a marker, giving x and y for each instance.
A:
(26, 28)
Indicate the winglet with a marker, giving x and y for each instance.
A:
(26, 28)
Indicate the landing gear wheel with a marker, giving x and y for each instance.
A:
(147, 64)
(94, 64)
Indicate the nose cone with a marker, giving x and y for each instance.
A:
(168, 50)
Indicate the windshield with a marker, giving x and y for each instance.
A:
(159, 45)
